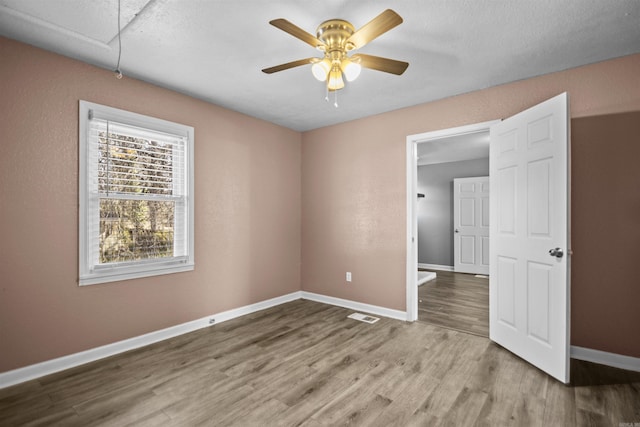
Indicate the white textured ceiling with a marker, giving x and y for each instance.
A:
(215, 49)
(454, 148)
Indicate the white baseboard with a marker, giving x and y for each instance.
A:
(428, 276)
(252, 308)
(436, 267)
(604, 358)
(30, 372)
(354, 305)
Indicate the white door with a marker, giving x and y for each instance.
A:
(471, 225)
(529, 280)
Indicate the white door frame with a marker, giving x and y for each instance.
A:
(412, 203)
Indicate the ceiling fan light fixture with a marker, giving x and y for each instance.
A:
(350, 69)
(321, 69)
(335, 79)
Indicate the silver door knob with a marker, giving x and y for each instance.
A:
(556, 252)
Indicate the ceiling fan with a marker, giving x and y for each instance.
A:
(336, 38)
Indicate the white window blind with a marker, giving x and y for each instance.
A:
(137, 204)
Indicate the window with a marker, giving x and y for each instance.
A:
(136, 195)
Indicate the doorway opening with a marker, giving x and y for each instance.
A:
(453, 232)
(445, 150)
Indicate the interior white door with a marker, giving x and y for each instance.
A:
(529, 296)
(471, 225)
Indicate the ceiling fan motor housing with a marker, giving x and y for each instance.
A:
(335, 33)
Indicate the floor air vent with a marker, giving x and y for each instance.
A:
(363, 318)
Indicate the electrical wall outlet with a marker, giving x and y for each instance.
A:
(348, 276)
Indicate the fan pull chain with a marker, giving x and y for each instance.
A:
(335, 100)
(326, 95)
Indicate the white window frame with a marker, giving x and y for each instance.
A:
(90, 271)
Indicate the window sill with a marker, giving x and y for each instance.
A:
(116, 276)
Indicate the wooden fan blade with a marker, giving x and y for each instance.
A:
(381, 64)
(288, 65)
(296, 32)
(377, 26)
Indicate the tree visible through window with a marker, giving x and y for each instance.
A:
(136, 210)
(134, 229)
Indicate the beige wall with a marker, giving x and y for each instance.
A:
(354, 190)
(249, 208)
(247, 212)
(606, 232)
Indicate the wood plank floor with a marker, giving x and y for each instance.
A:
(306, 363)
(456, 301)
